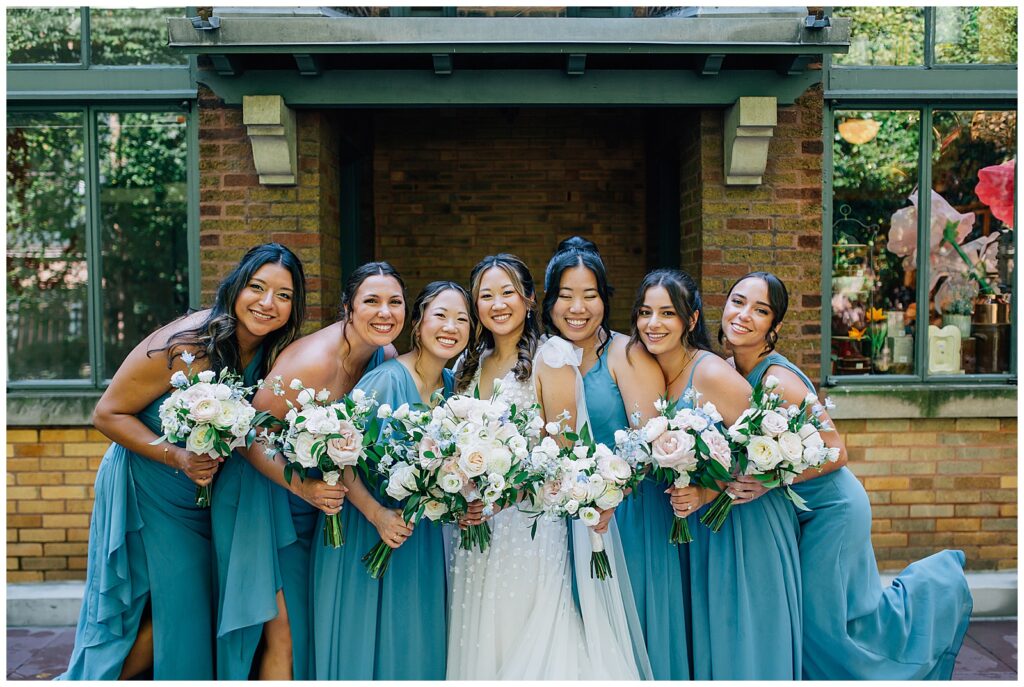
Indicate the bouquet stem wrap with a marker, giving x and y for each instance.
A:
(333, 535)
(599, 565)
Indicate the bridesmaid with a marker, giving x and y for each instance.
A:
(263, 525)
(853, 628)
(619, 378)
(745, 579)
(392, 628)
(149, 591)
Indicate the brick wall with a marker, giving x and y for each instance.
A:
(236, 212)
(452, 186)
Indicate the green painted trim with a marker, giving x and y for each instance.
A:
(929, 37)
(192, 155)
(341, 88)
(959, 83)
(924, 223)
(101, 83)
(94, 248)
(86, 38)
(918, 401)
(773, 35)
(827, 127)
(51, 408)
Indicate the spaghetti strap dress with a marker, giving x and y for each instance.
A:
(854, 629)
(261, 541)
(392, 628)
(658, 570)
(745, 586)
(148, 543)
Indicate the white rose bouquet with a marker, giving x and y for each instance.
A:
(579, 478)
(682, 446)
(211, 414)
(775, 442)
(330, 436)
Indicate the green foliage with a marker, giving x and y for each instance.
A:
(883, 36)
(44, 35)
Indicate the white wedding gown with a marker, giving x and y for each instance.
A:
(512, 615)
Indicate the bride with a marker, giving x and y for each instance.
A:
(520, 610)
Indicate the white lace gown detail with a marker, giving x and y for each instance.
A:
(512, 611)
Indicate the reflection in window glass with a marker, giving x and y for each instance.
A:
(874, 258)
(143, 216)
(132, 36)
(971, 273)
(44, 35)
(883, 36)
(47, 299)
(976, 35)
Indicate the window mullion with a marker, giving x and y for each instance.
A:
(86, 37)
(929, 38)
(94, 255)
(924, 219)
(192, 181)
(828, 126)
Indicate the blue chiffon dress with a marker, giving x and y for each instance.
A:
(261, 543)
(745, 591)
(853, 628)
(147, 542)
(658, 570)
(392, 628)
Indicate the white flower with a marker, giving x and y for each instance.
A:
(321, 420)
(829, 404)
(770, 382)
(654, 428)
(323, 395)
(814, 457)
(812, 439)
(764, 454)
(384, 411)
(712, 412)
(614, 469)
(296, 384)
(660, 405)
(496, 480)
(571, 506)
(611, 497)
(207, 376)
(736, 435)
(580, 451)
(401, 412)
(491, 494)
(227, 416)
(589, 516)
(621, 437)
(548, 446)
(687, 419)
(433, 510)
(552, 428)
(773, 424)
(402, 481)
(201, 439)
(332, 477)
(791, 446)
(178, 379)
(499, 460)
(536, 423)
(358, 396)
(473, 459)
(303, 449)
(833, 453)
(595, 486)
(518, 445)
(451, 483)
(205, 410)
(580, 491)
(674, 449)
(306, 397)
(811, 399)
(683, 480)
(187, 358)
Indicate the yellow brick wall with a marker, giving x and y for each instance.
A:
(933, 484)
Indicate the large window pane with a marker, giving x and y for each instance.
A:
(971, 273)
(976, 35)
(143, 214)
(133, 36)
(44, 36)
(47, 300)
(875, 158)
(883, 36)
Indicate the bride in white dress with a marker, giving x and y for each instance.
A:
(513, 609)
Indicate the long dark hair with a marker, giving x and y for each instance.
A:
(778, 301)
(577, 251)
(685, 296)
(352, 284)
(482, 339)
(215, 338)
(424, 299)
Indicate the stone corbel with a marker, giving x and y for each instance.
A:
(749, 127)
(270, 125)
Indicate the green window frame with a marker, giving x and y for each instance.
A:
(925, 89)
(90, 90)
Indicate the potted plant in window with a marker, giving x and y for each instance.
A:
(955, 300)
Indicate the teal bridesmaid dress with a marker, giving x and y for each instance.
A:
(745, 591)
(148, 542)
(658, 570)
(392, 628)
(854, 629)
(261, 541)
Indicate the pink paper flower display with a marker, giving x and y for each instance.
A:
(903, 227)
(995, 189)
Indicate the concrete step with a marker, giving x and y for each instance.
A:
(55, 604)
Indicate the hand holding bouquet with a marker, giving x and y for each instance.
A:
(209, 412)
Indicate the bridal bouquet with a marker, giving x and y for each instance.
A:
(210, 413)
(776, 444)
(579, 478)
(325, 435)
(683, 446)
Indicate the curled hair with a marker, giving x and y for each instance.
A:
(685, 296)
(482, 339)
(352, 284)
(577, 251)
(778, 301)
(214, 337)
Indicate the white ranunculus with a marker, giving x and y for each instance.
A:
(579, 491)
(499, 460)
(611, 497)
(402, 481)
(201, 439)
(791, 446)
(552, 428)
(473, 459)
(763, 453)
(384, 411)
(614, 468)
(306, 397)
(205, 410)
(229, 411)
(451, 483)
(303, 448)
(654, 428)
(773, 424)
(770, 382)
(207, 376)
(596, 486)
(589, 516)
(221, 392)
(332, 477)
(433, 510)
